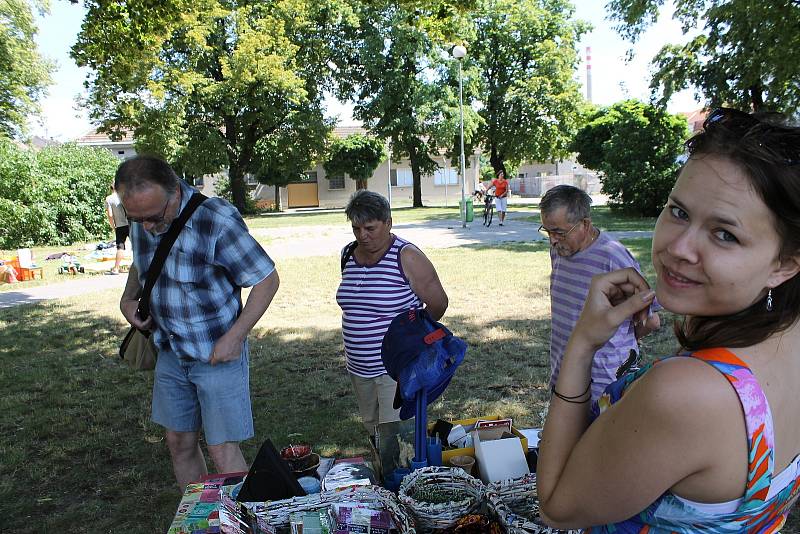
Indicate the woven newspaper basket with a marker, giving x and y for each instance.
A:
(516, 505)
(439, 496)
(277, 512)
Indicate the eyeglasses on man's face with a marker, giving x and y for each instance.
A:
(153, 219)
(557, 234)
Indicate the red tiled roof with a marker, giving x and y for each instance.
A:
(344, 131)
(695, 118)
(93, 137)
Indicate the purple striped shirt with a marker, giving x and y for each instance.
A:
(569, 286)
(370, 297)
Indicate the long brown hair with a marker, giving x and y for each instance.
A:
(769, 153)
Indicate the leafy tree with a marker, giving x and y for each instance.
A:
(285, 154)
(636, 146)
(399, 67)
(526, 53)
(204, 82)
(746, 54)
(356, 155)
(54, 196)
(24, 73)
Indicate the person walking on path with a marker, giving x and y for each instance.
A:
(501, 191)
(579, 251)
(382, 275)
(196, 314)
(119, 224)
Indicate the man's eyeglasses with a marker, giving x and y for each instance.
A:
(558, 234)
(152, 220)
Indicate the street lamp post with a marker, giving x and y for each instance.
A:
(459, 52)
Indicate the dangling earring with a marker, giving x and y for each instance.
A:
(769, 300)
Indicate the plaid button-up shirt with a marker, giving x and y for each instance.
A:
(197, 297)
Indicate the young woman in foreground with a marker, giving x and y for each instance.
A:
(706, 441)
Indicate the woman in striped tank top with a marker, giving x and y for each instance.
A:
(382, 275)
(708, 440)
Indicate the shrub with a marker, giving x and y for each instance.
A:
(636, 146)
(54, 196)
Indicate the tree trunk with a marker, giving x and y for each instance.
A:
(497, 162)
(238, 188)
(278, 206)
(361, 183)
(417, 179)
(756, 97)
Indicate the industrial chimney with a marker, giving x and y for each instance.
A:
(589, 73)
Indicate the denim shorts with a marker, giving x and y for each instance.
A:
(189, 394)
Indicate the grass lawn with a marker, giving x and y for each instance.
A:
(50, 274)
(311, 218)
(79, 453)
(604, 218)
(278, 220)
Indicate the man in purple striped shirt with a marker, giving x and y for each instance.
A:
(578, 251)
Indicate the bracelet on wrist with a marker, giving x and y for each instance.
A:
(574, 399)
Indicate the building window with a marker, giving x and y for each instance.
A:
(250, 179)
(445, 177)
(121, 152)
(310, 177)
(198, 181)
(522, 175)
(336, 182)
(402, 178)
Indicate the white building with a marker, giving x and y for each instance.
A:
(391, 178)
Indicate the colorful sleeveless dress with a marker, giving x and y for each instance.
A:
(760, 510)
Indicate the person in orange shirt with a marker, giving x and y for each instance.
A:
(501, 195)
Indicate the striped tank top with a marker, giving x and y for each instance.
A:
(370, 297)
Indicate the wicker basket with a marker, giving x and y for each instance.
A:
(277, 513)
(516, 505)
(429, 516)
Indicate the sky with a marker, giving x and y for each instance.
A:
(612, 78)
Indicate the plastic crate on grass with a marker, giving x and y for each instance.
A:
(33, 273)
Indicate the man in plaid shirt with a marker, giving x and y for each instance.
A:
(197, 318)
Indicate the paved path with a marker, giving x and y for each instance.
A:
(305, 241)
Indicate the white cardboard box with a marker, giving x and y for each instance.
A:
(500, 459)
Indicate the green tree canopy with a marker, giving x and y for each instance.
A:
(398, 73)
(744, 54)
(530, 102)
(636, 146)
(205, 82)
(24, 73)
(356, 155)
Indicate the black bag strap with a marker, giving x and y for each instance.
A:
(348, 252)
(164, 247)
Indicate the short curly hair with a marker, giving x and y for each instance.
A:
(365, 206)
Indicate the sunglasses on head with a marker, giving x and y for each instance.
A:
(782, 141)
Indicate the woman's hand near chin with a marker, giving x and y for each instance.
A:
(613, 298)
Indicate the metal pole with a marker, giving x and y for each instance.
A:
(463, 177)
(389, 181)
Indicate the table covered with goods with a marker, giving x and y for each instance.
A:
(467, 488)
